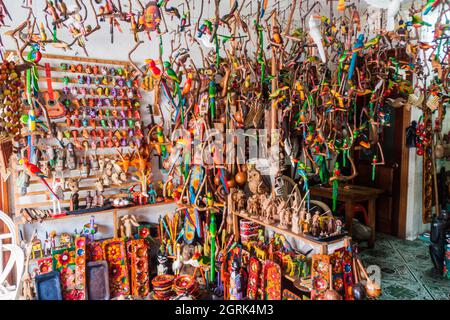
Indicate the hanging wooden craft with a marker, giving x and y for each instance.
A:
(338, 271)
(54, 108)
(254, 277)
(64, 263)
(115, 254)
(190, 222)
(289, 295)
(45, 265)
(272, 281)
(11, 106)
(80, 267)
(347, 267)
(320, 275)
(151, 17)
(429, 172)
(140, 278)
(102, 110)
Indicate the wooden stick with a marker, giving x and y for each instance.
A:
(274, 110)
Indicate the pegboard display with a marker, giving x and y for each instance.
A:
(93, 149)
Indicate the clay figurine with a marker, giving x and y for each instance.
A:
(60, 160)
(162, 267)
(236, 281)
(315, 225)
(74, 201)
(238, 198)
(295, 222)
(307, 223)
(71, 157)
(89, 200)
(126, 223)
(99, 199)
(255, 181)
(151, 194)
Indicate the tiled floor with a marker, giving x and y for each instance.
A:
(407, 272)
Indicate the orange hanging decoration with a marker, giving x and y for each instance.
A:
(341, 6)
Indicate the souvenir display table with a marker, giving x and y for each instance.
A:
(351, 194)
(175, 150)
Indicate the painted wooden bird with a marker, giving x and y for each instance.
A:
(424, 45)
(372, 42)
(188, 85)
(173, 12)
(263, 8)
(154, 70)
(277, 93)
(417, 22)
(35, 171)
(177, 264)
(170, 72)
(430, 5)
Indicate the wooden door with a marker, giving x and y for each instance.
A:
(391, 177)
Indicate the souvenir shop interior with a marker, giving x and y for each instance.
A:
(224, 150)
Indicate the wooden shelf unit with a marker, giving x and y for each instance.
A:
(19, 220)
(323, 245)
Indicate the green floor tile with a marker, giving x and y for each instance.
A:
(407, 272)
(403, 290)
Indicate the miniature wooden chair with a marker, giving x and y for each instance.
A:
(16, 257)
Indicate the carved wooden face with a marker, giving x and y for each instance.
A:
(151, 17)
(254, 179)
(73, 185)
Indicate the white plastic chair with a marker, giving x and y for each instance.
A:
(16, 258)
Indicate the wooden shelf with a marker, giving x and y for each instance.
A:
(159, 204)
(323, 244)
(82, 59)
(20, 220)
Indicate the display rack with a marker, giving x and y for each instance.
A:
(322, 245)
(38, 196)
(19, 220)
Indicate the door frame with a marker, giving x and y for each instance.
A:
(404, 168)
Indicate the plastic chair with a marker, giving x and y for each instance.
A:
(358, 208)
(16, 258)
